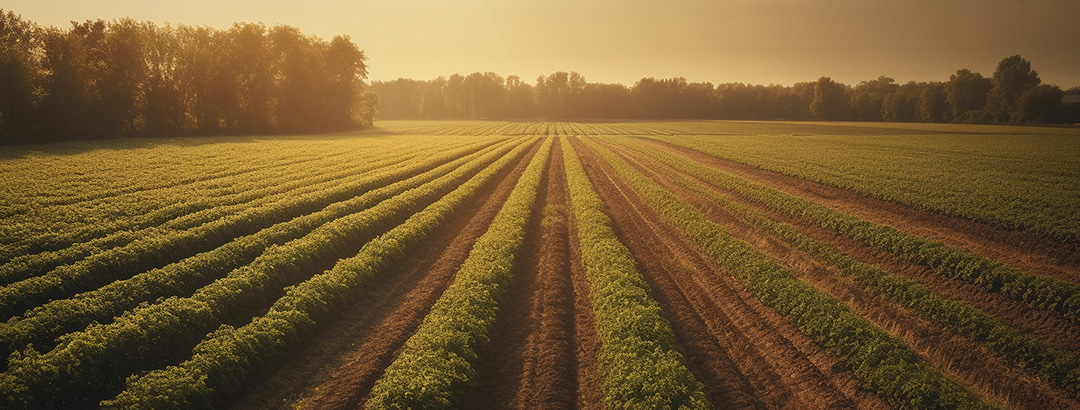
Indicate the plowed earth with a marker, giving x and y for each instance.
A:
(543, 350)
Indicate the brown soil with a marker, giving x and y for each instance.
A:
(1021, 250)
(1049, 326)
(965, 361)
(531, 361)
(340, 366)
(746, 355)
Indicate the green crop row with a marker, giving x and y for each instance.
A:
(435, 365)
(1059, 367)
(40, 325)
(157, 250)
(1040, 292)
(222, 362)
(47, 226)
(1021, 180)
(92, 362)
(640, 361)
(882, 362)
(260, 193)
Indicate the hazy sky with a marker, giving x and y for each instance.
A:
(752, 41)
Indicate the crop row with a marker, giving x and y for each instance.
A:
(435, 366)
(883, 363)
(176, 207)
(40, 325)
(1020, 184)
(154, 251)
(640, 361)
(41, 229)
(202, 211)
(491, 128)
(89, 363)
(223, 361)
(1037, 291)
(1059, 367)
(36, 221)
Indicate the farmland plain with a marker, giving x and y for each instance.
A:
(484, 264)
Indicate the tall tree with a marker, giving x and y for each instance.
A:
(559, 94)
(903, 105)
(163, 112)
(346, 72)
(123, 75)
(20, 74)
(520, 98)
(933, 105)
(831, 101)
(1039, 104)
(966, 91)
(1013, 78)
(868, 97)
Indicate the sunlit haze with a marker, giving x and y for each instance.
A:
(760, 42)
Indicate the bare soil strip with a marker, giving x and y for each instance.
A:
(968, 363)
(1051, 327)
(342, 364)
(1018, 249)
(746, 354)
(531, 359)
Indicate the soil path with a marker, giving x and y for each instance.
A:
(1049, 326)
(967, 362)
(341, 365)
(1021, 250)
(531, 361)
(746, 355)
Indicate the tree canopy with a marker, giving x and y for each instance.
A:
(1014, 95)
(99, 79)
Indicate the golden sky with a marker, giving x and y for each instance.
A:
(751, 41)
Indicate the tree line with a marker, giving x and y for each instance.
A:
(1014, 94)
(124, 78)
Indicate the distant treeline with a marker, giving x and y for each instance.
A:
(124, 78)
(1014, 94)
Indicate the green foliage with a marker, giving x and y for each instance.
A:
(639, 359)
(882, 362)
(78, 373)
(150, 248)
(224, 360)
(124, 78)
(40, 325)
(1039, 292)
(1018, 178)
(435, 365)
(1061, 368)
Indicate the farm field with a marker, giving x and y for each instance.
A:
(489, 264)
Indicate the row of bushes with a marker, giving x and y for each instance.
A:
(226, 359)
(640, 362)
(40, 325)
(881, 362)
(434, 368)
(93, 362)
(1059, 367)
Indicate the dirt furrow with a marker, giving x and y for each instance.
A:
(1051, 327)
(967, 362)
(746, 354)
(340, 366)
(531, 360)
(1018, 249)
